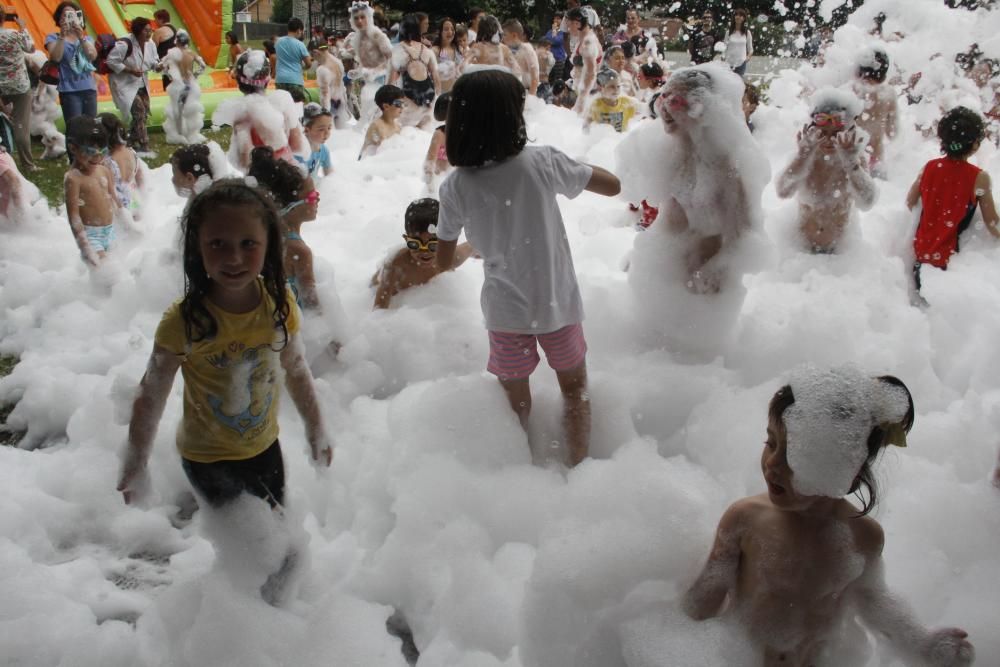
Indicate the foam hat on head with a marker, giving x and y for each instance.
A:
(828, 425)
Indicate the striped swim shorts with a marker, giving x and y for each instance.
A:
(514, 356)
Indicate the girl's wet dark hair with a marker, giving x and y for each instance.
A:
(232, 37)
(234, 192)
(577, 14)
(192, 159)
(485, 118)
(959, 131)
(86, 132)
(877, 439)
(437, 38)
(441, 105)
(879, 70)
(652, 71)
(282, 179)
(113, 126)
(409, 28)
(489, 25)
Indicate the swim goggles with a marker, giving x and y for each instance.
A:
(676, 102)
(311, 199)
(413, 243)
(91, 151)
(399, 104)
(824, 119)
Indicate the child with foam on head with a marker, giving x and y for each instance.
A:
(124, 164)
(389, 100)
(231, 335)
(317, 124)
(194, 167)
(16, 192)
(609, 106)
(949, 189)
(298, 202)
(92, 203)
(829, 173)
(436, 161)
(880, 110)
(503, 194)
(260, 118)
(415, 264)
(330, 79)
(796, 565)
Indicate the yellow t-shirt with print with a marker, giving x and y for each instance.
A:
(616, 115)
(231, 381)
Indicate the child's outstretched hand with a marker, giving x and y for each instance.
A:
(808, 138)
(948, 647)
(322, 451)
(849, 145)
(134, 481)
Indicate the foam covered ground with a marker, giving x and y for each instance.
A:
(437, 504)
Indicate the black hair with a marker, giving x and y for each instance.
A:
(746, 19)
(877, 439)
(192, 159)
(959, 130)
(113, 126)
(420, 215)
(441, 105)
(409, 28)
(422, 16)
(473, 13)
(262, 75)
(162, 16)
(231, 35)
(268, 46)
(577, 14)
(198, 321)
(751, 92)
(628, 48)
(387, 94)
(485, 118)
(61, 7)
(652, 71)
(139, 24)
(454, 30)
(489, 25)
(295, 24)
(282, 179)
(86, 132)
(879, 71)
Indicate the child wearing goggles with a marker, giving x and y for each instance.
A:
(415, 264)
(91, 200)
(829, 173)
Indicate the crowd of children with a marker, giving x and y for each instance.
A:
(248, 272)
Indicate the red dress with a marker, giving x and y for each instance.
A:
(948, 196)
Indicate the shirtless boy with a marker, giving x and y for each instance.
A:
(829, 173)
(524, 54)
(415, 264)
(879, 116)
(389, 100)
(90, 189)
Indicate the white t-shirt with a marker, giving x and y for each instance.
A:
(738, 45)
(511, 217)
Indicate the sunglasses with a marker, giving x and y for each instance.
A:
(413, 243)
(824, 119)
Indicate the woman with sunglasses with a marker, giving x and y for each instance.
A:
(297, 200)
(829, 174)
(75, 52)
(416, 263)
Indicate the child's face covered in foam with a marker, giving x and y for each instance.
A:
(681, 104)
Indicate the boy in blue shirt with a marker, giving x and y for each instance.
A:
(317, 124)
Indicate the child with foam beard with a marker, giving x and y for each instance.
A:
(610, 106)
(415, 264)
(829, 173)
(797, 565)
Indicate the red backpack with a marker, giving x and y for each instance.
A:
(104, 44)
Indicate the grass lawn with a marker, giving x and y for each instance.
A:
(50, 179)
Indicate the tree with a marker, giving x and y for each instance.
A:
(281, 11)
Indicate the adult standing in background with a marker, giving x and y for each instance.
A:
(632, 32)
(75, 52)
(130, 62)
(556, 38)
(702, 40)
(15, 88)
(474, 15)
(164, 37)
(739, 42)
(235, 49)
(292, 58)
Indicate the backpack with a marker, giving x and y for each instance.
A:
(105, 43)
(49, 73)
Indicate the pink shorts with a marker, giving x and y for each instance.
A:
(515, 356)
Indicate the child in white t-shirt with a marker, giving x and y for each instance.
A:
(504, 195)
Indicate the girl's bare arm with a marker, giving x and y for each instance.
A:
(147, 409)
(72, 187)
(986, 203)
(603, 182)
(302, 389)
(913, 196)
(306, 277)
(718, 577)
